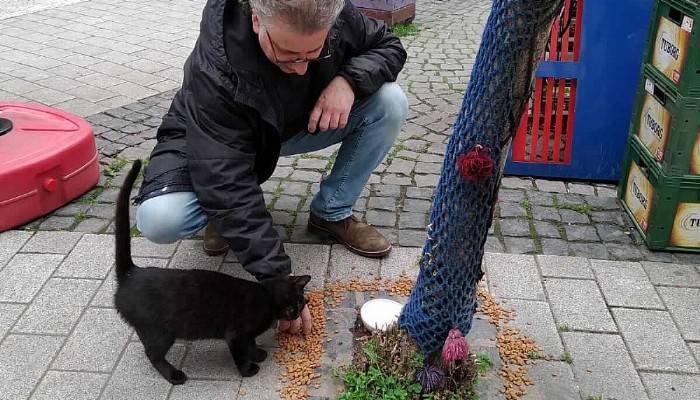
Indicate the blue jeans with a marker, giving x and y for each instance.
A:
(373, 125)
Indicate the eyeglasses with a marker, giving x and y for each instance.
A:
(326, 56)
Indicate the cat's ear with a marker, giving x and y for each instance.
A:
(301, 280)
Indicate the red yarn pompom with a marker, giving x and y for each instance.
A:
(476, 165)
(455, 347)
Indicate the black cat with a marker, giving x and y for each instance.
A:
(166, 304)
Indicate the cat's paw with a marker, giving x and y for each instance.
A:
(177, 377)
(260, 355)
(249, 370)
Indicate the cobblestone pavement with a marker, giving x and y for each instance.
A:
(629, 324)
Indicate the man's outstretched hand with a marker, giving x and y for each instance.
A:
(304, 323)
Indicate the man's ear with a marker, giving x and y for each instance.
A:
(256, 22)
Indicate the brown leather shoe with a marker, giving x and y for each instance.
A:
(214, 244)
(357, 236)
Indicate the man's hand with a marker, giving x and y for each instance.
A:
(333, 106)
(304, 321)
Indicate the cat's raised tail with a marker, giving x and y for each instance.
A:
(122, 226)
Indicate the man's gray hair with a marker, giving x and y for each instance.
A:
(304, 16)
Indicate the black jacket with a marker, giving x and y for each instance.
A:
(221, 135)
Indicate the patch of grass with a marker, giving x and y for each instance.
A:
(91, 198)
(596, 397)
(79, 217)
(560, 228)
(115, 166)
(564, 328)
(525, 203)
(483, 362)
(409, 29)
(536, 355)
(579, 208)
(567, 358)
(385, 366)
(135, 232)
(398, 147)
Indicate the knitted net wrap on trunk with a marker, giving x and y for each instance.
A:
(445, 293)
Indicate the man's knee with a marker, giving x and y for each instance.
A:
(164, 219)
(392, 100)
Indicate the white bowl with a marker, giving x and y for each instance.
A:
(378, 314)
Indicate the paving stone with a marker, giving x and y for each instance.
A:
(9, 313)
(508, 209)
(625, 252)
(516, 183)
(386, 190)
(345, 265)
(419, 206)
(142, 247)
(381, 218)
(511, 195)
(92, 225)
(56, 223)
(671, 386)
(610, 217)
(401, 166)
(25, 274)
(546, 229)
(653, 340)
(685, 258)
(603, 367)
(135, 377)
(52, 242)
(513, 276)
(310, 259)
(550, 186)
(92, 257)
(570, 198)
(411, 238)
(70, 385)
(555, 246)
(590, 250)
(412, 220)
(534, 319)
(625, 285)
(23, 360)
(564, 267)
(603, 203)
(579, 305)
(581, 233)
(57, 307)
(96, 342)
(581, 189)
(290, 203)
(684, 305)
(541, 199)
(382, 203)
(312, 163)
(295, 188)
(105, 211)
(573, 217)
(305, 176)
(612, 233)
(515, 227)
(401, 261)
(519, 245)
(265, 384)
(422, 181)
(420, 193)
(545, 213)
(672, 274)
(494, 245)
(207, 390)
(428, 168)
(695, 348)
(189, 255)
(211, 359)
(553, 380)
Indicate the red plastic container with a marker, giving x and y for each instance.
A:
(47, 158)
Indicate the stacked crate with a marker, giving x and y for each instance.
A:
(660, 186)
